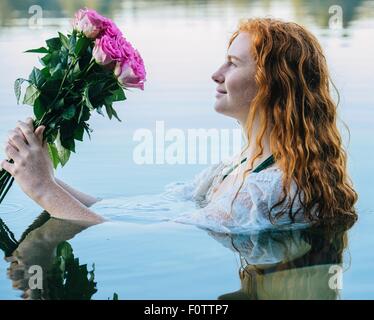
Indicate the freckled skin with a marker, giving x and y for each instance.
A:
(237, 79)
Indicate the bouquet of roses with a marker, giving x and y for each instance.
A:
(83, 71)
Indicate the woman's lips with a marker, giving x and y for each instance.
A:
(220, 93)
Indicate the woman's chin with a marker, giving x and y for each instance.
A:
(220, 108)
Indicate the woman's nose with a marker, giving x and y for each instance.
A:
(218, 77)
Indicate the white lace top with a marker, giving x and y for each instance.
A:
(250, 210)
(191, 202)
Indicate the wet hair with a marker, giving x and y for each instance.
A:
(294, 102)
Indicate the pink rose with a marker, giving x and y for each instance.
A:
(112, 30)
(131, 72)
(107, 50)
(90, 23)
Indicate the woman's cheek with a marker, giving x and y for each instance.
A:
(238, 89)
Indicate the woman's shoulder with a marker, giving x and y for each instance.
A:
(266, 189)
(269, 179)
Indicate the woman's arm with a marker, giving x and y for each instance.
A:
(59, 203)
(84, 198)
(32, 170)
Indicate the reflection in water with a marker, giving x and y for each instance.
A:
(275, 264)
(318, 9)
(44, 244)
(289, 264)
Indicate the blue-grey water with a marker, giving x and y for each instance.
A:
(182, 43)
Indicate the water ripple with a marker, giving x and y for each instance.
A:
(10, 207)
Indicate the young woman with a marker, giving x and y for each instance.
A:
(275, 83)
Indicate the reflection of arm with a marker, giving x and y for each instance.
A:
(51, 233)
(37, 245)
(85, 199)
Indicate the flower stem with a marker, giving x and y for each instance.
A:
(6, 186)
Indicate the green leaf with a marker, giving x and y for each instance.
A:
(17, 88)
(32, 93)
(78, 133)
(69, 144)
(53, 154)
(96, 89)
(60, 104)
(80, 112)
(72, 42)
(57, 72)
(76, 69)
(64, 56)
(63, 153)
(55, 59)
(88, 129)
(69, 113)
(50, 88)
(87, 98)
(36, 77)
(116, 115)
(39, 109)
(100, 111)
(64, 40)
(45, 72)
(84, 113)
(109, 109)
(81, 46)
(46, 59)
(54, 43)
(39, 50)
(118, 95)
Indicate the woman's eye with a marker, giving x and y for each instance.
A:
(230, 63)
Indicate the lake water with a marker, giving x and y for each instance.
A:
(182, 43)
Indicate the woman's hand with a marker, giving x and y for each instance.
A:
(32, 168)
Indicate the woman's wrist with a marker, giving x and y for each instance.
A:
(61, 204)
(47, 192)
(84, 198)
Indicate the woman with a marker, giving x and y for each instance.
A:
(275, 83)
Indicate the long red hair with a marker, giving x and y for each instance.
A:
(294, 99)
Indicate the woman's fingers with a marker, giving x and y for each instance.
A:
(7, 166)
(39, 133)
(21, 133)
(11, 152)
(28, 132)
(17, 140)
(30, 122)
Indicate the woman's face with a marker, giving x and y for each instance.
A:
(236, 86)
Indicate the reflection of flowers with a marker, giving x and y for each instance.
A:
(67, 279)
(8, 242)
